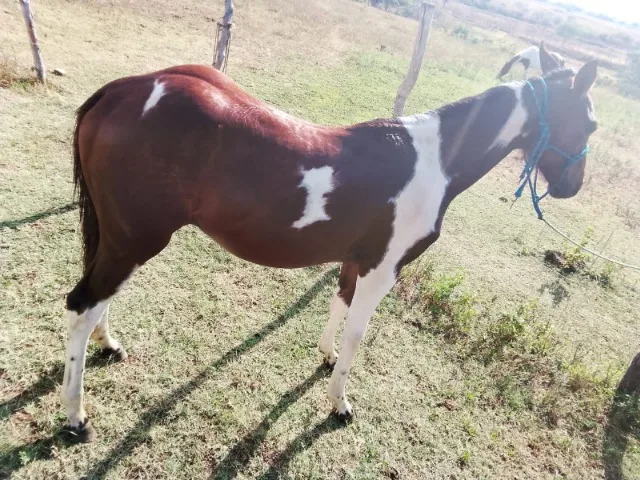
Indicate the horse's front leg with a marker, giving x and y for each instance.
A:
(339, 308)
(370, 290)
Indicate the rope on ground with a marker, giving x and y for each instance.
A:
(608, 259)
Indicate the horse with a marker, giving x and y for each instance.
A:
(187, 146)
(529, 58)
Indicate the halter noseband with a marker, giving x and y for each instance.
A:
(533, 159)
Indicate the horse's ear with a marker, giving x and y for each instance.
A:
(547, 62)
(586, 77)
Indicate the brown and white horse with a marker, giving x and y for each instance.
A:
(186, 145)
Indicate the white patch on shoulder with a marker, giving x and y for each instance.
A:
(318, 182)
(514, 125)
(156, 94)
(418, 204)
(417, 208)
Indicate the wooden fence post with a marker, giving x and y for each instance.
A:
(223, 36)
(35, 47)
(426, 15)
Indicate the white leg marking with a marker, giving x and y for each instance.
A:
(338, 311)
(78, 330)
(318, 182)
(370, 290)
(417, 208)
(101, 334)
(156, 94)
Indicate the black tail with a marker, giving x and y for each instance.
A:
(507, 66)
(88, 218)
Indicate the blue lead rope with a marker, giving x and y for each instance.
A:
(541, 146)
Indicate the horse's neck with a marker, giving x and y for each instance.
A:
(477, 133)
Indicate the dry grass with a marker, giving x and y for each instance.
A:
(532, 31)
(222, 380)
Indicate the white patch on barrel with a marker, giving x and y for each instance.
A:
(156, 94)
(514, 125)
(318, 182)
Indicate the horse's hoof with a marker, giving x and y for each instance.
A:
(330, 361)
(345, 417)
(344, 414)
(117, 355)
(84, 433)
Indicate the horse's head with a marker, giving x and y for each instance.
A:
(570, 119)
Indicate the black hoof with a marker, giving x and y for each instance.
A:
(118, 355)
(328, 365)
(84, 433)
(346, 417)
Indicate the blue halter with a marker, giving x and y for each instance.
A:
(538, 150)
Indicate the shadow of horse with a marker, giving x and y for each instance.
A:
(302, 442)
(46, 383)
(242, 453)
(161, 410)
(623, 421)
(11, 461)
(41, 449)
(39, 216)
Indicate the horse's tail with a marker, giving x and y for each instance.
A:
(507, 66)
(88, 217)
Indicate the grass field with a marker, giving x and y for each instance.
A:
(484, 362)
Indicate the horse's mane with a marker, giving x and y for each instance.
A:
(553, 76)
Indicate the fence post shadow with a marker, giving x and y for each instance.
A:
(623, 421)
(39, 216)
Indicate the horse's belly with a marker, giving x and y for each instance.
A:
(290, 249)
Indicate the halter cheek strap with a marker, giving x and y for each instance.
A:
(541, 146)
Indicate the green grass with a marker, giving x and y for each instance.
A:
(458, 375)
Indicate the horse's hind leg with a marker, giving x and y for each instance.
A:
(109, 346)
(87, 306)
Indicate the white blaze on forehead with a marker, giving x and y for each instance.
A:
(318, 182)
(156, 94)
(514, 125)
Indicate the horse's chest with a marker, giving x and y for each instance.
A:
(417, 210)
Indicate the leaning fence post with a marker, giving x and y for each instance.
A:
(35, 47)
(426, 15)
(223, 37)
